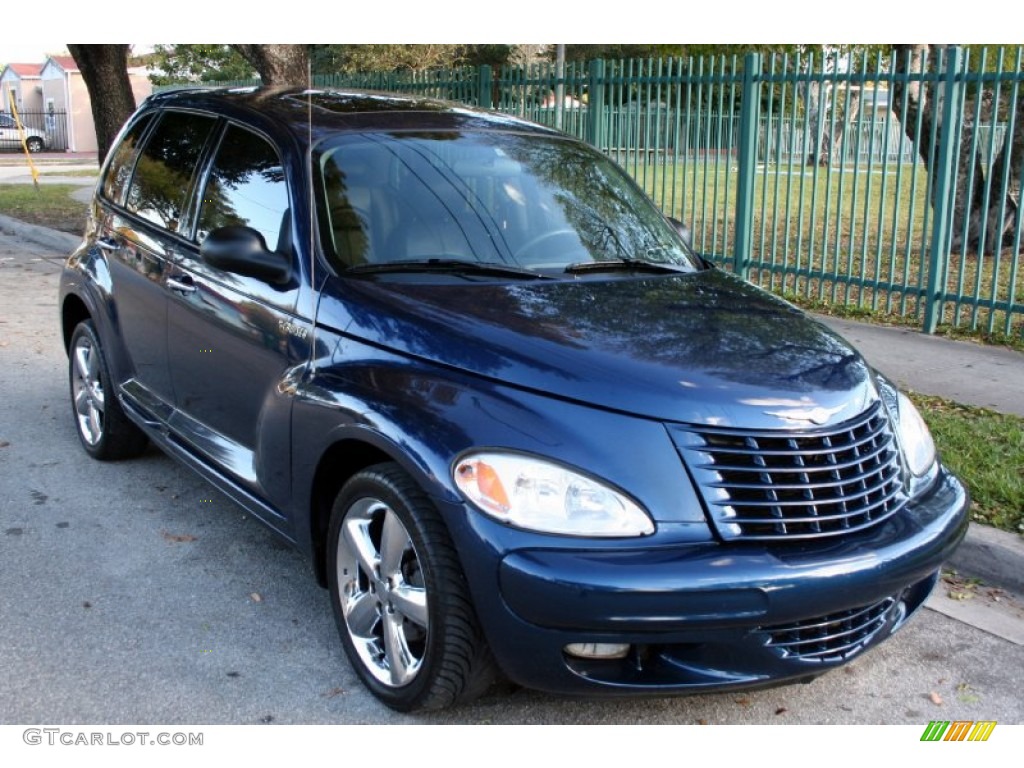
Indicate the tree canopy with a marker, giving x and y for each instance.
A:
(182, 62)
(193, 63)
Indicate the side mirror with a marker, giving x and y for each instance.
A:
(684, 232)
(243, 251)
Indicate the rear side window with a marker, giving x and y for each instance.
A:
(163, 174)
(246, 188)
(121, 163)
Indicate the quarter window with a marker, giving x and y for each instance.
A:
(121, 163)
(246, 188)
(163, 174)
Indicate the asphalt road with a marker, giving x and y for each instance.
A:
(135, 593)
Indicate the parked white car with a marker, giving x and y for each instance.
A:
(10, 138)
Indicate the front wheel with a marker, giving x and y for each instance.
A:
(400, 598)
(34, 144)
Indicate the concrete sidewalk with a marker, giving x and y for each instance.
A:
(969, 373)
(974, 374)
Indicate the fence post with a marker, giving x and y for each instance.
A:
(485, 85)
(595, 103)
(945, 187)
(750, 107)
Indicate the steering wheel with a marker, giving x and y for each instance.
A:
(544, 237)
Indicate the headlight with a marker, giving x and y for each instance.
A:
(915, 439)
(912, 434)
(539, 495)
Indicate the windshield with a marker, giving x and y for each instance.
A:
(532, 202)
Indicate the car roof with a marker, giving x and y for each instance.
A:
(310, 115)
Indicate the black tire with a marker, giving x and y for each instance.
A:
(416, 595)
(104, 430)
(35, 144)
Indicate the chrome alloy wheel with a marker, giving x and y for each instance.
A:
(87, 390)
(382, 592)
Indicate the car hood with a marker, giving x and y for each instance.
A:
(703, 348)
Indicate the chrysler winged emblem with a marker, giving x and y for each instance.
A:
(814, 415)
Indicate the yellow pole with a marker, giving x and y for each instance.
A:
(24, 143)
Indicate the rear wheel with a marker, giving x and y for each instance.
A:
(105, 431)
(34, 144)
(399, 595)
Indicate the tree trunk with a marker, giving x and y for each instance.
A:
(105, 71)
(968, 220)
(850, 115)
(1000, 229)
(910, 60)
(278, 64)
(820, 148)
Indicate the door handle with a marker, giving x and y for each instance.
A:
(107, 244)
(185, 284)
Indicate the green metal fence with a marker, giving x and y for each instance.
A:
(837, 184)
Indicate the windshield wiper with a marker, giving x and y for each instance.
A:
(625, 265)
(453, 266)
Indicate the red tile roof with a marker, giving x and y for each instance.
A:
(67, 63)
(26, 70)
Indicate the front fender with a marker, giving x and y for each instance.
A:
(423, 416)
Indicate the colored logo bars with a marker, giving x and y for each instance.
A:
(958, 730)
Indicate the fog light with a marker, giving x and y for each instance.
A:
(598, 650)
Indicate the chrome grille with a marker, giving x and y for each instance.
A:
(834, 637)
(807, 484)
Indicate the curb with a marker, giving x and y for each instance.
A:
(996, 557)
(62, 242)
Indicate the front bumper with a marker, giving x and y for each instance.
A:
(707, 615)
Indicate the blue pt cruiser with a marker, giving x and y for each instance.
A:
(519, 427)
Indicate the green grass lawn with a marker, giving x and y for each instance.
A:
(51, 205)
(853, 236)
(986, 450)
(76, 174)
